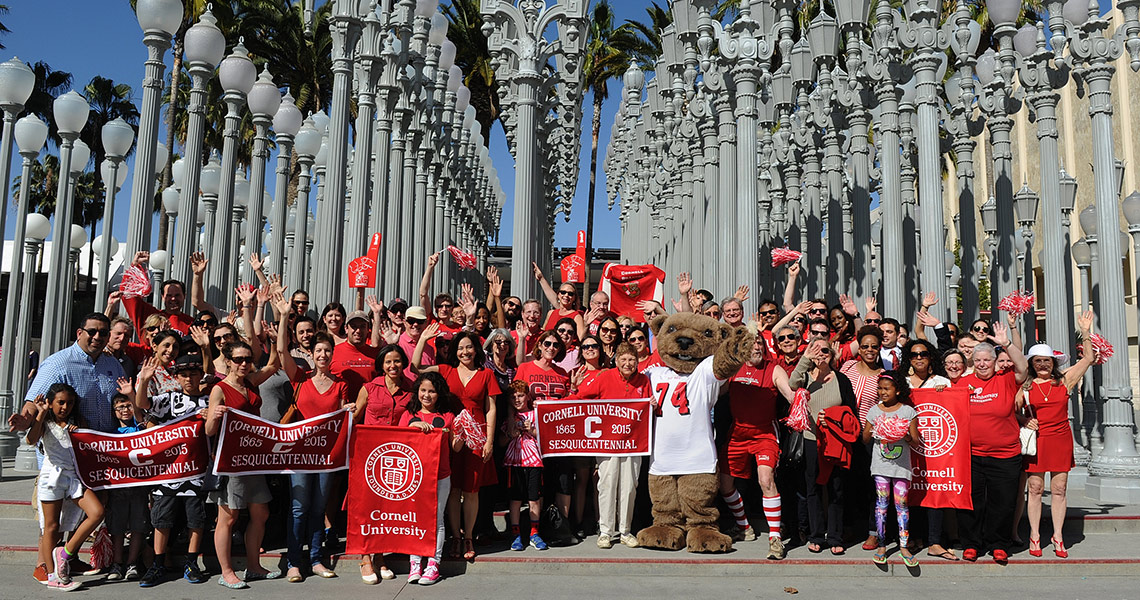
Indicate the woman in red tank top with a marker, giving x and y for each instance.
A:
(319, 392)
(1048, 405)
(564, 301)
(238, 391)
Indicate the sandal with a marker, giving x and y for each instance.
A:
(453, 546)
(945, 554)
(814, 548)
(838, 551)
(880, 557)
(1059, 548)
(909, 559)
(469, 549)
(872, 543)
(1035, 547)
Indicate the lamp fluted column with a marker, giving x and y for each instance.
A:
(298, 260)
(143, 183)
(280, 214)
(51, 335)
(221, 246)
(9, 383)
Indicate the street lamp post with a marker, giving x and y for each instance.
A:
(853, 94)
(1114, 474)
(264, 100)
(1082, 256)
(211, 183)
(237, 74)
(30, 134)
(286, 123)
(307, 144)
(117, 139)
(16, 84)
(1089, 226)
(36, 228)
(1025, 205)
(203, 48)
(76, 241)
(71, 112)
(962, 125)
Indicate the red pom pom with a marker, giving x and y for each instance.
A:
(798, 418)
(1017, 303)
(136, 282)
(464, 259)
(890, 429)
(1101, 348)
(102, 549)
(783, 256)
(474, 432)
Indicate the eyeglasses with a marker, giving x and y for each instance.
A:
(609, 330)
(785, 338)
(241, 360)
(590, 347)
(124, 407)
(550, 344)
(817, 311)
(922, 354)
(640, 338)
(768, 313)
(98, 332)
(980, 329)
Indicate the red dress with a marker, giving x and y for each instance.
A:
(249, 402)
(471, 470)
(557, 316)
(1049, 402)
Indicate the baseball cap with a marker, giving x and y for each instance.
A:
(416, 312)
(357, 314)
(398, 305)
(187, 362)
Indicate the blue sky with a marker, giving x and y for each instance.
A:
(103, 38)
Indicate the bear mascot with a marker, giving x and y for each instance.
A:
(699, 354)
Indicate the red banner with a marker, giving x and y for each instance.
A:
(392, 490)
(251, 445)
(174, 452)
(626, 285)
(594, 427)
(940, 466)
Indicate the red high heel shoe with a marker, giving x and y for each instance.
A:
(1059, 548)
(1035, 547)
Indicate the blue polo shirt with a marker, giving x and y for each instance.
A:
(95, 380)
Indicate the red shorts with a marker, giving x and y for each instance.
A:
(742, 450)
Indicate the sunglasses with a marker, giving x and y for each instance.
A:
(151, 329)
(784, 338)
(817, 311)
(300, 303)
(414, 321)
(222, 338)
(565, 292)
(241, 360)
(500, 342)
(98, 332)
(820, 333)
(550, 344)
(869, 346)
(564, 331)
(981, 329)
(920, 355)
(714, 313)
(798, 319)
(768, 313)
(590, 346)
(511, 304)
(872, 321)
(640, 338)
(609, 330)
(625, 327)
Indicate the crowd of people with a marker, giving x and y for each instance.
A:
(491, 358)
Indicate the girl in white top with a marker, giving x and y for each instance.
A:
(56, 417)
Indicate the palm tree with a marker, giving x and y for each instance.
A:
(109, 101)
(3, 29)
(474, 58)
(608, 53)
(49, 85)
(648, 45)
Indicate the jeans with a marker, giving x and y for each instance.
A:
(310, 493)
(443, 490)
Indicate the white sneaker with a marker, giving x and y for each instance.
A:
(605, 542)
(54, 583)
(630, 540)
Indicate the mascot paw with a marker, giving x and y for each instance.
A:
(663, 537)
(708, 539)
(740, 343)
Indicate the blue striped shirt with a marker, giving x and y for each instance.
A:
(94, 380)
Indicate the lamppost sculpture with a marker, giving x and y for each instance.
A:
(71, 111)
(286, 123)
(203, 48)
(117, 138)
(264, 100)
(159, 20)
(307, 143)
(30, 134)
(36, 228)
(16, 84)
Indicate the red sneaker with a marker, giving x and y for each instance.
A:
(970, 554)
(1001, 557)
(41, 573)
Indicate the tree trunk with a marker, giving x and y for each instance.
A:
(175, 75)
(595, 128)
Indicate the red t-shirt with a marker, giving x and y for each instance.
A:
(531, 341)
(472, 396)
(313, 403)
(138, 310)
(249, 402)
(549, 384)
(994, 431)
(609, 385)
(556, 316)
(752, 395)
(439, 421)
(354, 365)
(653, 360)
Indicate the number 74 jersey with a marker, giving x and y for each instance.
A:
(683, 439)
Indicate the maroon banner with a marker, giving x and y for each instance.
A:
(392, 490)
(177, 451)
(940, 465)
(594, 427)
(251, 445)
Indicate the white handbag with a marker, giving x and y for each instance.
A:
(1028, 437)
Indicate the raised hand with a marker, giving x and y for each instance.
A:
(646, 306)
(374, 305)
(114, 297)
(198, 262)
(467, 292)
(928, 320)
(1085, 322)
(591, 315)
(431, 330)
(125, 385)
(695, 301)
(148, 368)
(200, 335)
(870, 303)
(577, 376)
(537, 271)
(245, 293)
(1012, 319)
(741, 293)
(803, 307)
(270, 329)
(468, 305)
(848, 305)
(141, 258)
(433, 260)
(929, 299)
(1001, 334)
(275, 283)
(256, 262)
(794, 268)
(677, 306)
(684, 283)
(280, 303)
(496, 283)
(262, 294)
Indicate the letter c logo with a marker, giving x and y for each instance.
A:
(590, 431)
(281, 447)
(135, 454)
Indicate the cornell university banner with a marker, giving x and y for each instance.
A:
(940, 466)
(392, 487)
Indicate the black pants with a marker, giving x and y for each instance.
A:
(824, 501)
(994, 494)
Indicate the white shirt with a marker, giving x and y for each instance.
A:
(888, 357)
(683, 436)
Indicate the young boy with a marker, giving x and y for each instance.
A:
(126, 507)
(187, 496)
